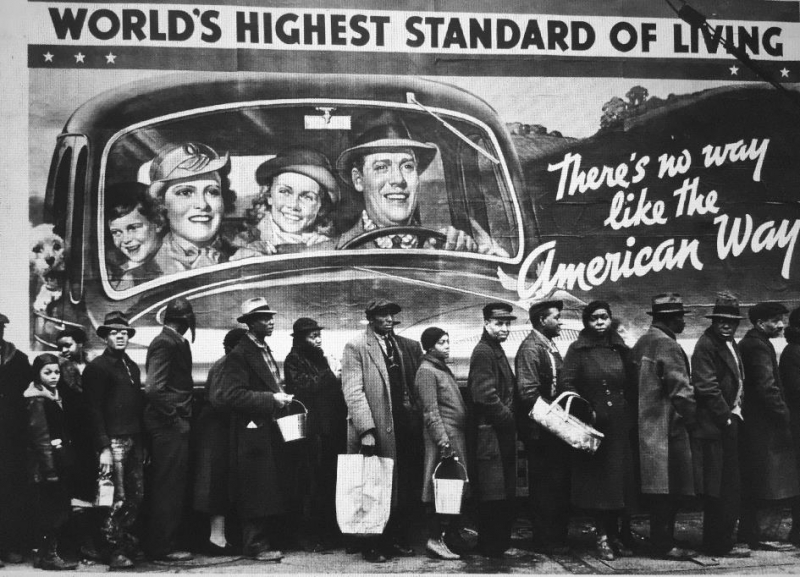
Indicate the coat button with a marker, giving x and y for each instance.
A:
(608, 392)
(388, 429)
(610, 404)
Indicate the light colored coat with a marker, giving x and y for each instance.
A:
(666, 408)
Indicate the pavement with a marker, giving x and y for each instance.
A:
(519, 559)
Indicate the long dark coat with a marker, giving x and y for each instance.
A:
(15, 375)
(667, 410)
(246, 389)
(444, 414)
(790, 377)
(211, 436)
(79, 421)
(769, 468)
(715, 377)
(491, 384)
(595, 368)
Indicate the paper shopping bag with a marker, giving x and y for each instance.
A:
(363, 494)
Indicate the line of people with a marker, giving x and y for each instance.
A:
(724, 427)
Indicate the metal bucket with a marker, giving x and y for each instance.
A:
(448, 493)
(294, 427)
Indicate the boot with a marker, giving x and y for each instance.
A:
(49, 558)
(603, 549)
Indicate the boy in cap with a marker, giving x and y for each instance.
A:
(539, 365)
(717, 376)
(766, 458)
(491, 384)
(114, 389)
(167, 416)
(666, 413)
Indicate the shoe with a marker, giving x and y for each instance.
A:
(89, 553)
(738, 552)
(214, 550)
(119, 561)
(620, 548)
(173, 557)
(373, 556)
(771, 546)
(13, 558)
(456, 543)
(603, 549)
(678, 554)
(268, 555)
(438, 548)
(399, 550)
(49, 559)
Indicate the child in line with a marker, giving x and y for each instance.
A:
(50, 460)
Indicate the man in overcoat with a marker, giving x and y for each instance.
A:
(250, 389)
(491, 386)
(666, 413)
(717, 375)
(539, 365)
(378, 370)
(15, 376)
(766, 457)
(167, 417)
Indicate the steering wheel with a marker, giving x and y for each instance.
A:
(420, 232)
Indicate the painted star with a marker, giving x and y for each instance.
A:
(48, 57)
(734, 70)
(110, 58)
(79, 58)
(784, 72)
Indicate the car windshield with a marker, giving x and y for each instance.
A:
(261, 181)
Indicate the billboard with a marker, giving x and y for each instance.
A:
(439, 154)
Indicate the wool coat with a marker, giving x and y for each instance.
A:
(367, 394)
(246, 389)
(667, 410)
(595, 368)
(15, 375)
(444, 414)
(715, 377)
(79, 422)
(211, 436)
(769, 468)
(491, 384)
(790, 377)
(169, 384)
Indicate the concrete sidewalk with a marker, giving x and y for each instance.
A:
(519, 559)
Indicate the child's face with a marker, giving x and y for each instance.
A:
(49, 375)
(135, 236)
(69, 348)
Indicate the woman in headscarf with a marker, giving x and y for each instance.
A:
(596, 367)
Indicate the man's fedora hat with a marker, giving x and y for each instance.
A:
(115, 321)
(386, 137)
(305, 325)
(176, 161)
(382, 306)
(499, 311)
(726, 307)
(254, 307)
(667, 304)
(4, 319)
(301, 160)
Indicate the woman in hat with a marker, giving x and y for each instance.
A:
(190, 183)
(596, 367)
(445, 416)
(298, 196)
(315, 380)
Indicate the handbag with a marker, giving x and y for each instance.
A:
(568, 428)
(363, 493)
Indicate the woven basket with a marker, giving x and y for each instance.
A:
(569, 429)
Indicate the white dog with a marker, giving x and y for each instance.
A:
(47, 257)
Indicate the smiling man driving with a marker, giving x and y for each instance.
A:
(385, 166)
